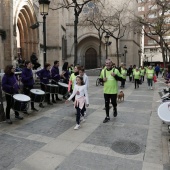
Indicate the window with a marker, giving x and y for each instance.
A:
(152, 15)
(153, 50)
(140, 1)
(166, 39)
(152, 7)
(141, 8)
(89, 7)
(167, 12)
(167, 20)
(151, 42)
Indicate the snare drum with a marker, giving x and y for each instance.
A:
(52, 88)
(164, 112)
(63, 88)
(21, 102)
(37, 95)
(165, 96)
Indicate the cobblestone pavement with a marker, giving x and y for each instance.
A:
(135, 140)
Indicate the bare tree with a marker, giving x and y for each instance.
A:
(77, 5)
(109, 20)
(116, 25)
(156, 24)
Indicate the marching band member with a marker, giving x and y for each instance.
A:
(28, 81)
(45, 76)
(56, 77)
(10, 87)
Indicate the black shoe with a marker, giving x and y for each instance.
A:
(54, 101)
(25, 112)
(19, 117)
(49, 103)
(34, 109)
(64, 97)
(58, 99)
(9, 121)
(41, 105)
(115, 112)
(106, 119)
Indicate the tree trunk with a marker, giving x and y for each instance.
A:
(100, 52)
(117, 51)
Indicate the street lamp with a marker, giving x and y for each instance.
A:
(139, 52)
(107, 43)
(125, 49)
(44, 7)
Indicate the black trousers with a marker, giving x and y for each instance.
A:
(142, 77)
(113, 98)
(26, 91)
(130, 78)
(123, 82)
(157, 72)
(79, 113)
(10, 101)
(56, 95)
(136, 83)
(47, 96)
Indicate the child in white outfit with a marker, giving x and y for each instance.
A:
(81, 98)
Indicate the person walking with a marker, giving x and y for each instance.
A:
(72, 79)
(81, 99)
(149, 75)
(86, 83)
(109, 75)
(136, 74)
(10, 87)
(142, 73)
(130, 73)
(123, 75)
(157, 70)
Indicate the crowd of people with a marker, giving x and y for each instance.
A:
(77, 85)
(74, 77)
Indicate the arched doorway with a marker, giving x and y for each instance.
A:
(27, 38)
(91, 58)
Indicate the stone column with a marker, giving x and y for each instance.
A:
(7, 11)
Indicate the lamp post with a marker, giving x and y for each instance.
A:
(139, 52)
(107, 43)
(125, 50)
(44, 7)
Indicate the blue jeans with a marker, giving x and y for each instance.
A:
(150, 82)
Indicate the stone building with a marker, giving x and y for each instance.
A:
(17, 38)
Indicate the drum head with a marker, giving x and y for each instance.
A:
(21, 97)
(37, 91)
(63, 84)
(164, 111)
(52, 85)
(165, 96)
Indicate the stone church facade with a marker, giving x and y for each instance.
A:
(17, 38)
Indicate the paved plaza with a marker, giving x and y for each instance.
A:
(135, 140)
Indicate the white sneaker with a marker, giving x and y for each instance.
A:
(85, 114)
(151, 88)
(82, 119)
(76, 127)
